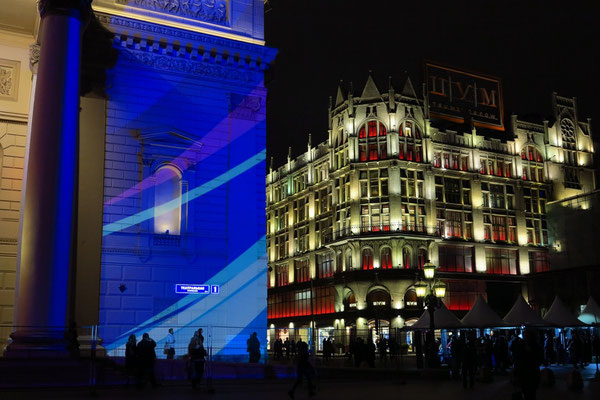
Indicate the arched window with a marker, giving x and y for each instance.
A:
(378, 298)
(410, 144)
(350, 302)
(167, 201)
(533, 168)
(406, 257)
(367, 258)
(410, 299)
(421, 258)
(385, 256)
(372, 142)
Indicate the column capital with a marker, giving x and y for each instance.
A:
(81, 8)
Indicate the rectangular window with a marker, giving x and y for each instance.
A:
(461, 294)
(301, 271)
(452, 190)
(538, 262)
(501, 261)
(325, 265)
(499, 228)
(455, 258)
(282, 277)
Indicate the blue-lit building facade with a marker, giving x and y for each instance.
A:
(170, 182)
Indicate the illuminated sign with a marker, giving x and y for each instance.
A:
(379, 303)
(182, 288)
(454, 95)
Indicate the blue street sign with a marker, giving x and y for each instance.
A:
(183, 288)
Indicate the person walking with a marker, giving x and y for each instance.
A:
(469, 363)
(196, 354)
(146, 356)
(170, 345)
(286, 345)
(131, 358)
(303, 370)
(528, 355)
(253, 348)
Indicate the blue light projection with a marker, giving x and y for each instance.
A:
(221, 158)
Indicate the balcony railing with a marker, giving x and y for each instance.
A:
(379, 229)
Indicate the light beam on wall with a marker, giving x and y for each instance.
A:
(191, 195)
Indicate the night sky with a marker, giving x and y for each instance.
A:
(535, 47)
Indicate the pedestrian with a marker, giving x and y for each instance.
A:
(456, 349)
(370, 352)
(146, 357)
(293, 347)
(528, 355)
(196, 354)
(469, 363)
(253, 348)
(131, 358)
(303, 370)
(170, 345)
(576, 349)
(548, 349)
(286, 345)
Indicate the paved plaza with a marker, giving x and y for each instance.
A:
(409, 388)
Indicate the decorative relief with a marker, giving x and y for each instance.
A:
(213, 11)
(9, 79)
(34, 57)
(244, 107)
(172, 64)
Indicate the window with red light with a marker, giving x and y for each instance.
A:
(461, 294)
(282, 275)
(455, 258)
(301, 271)
(367, 258)
(372, 125)
(363, 152)
(373, 144)
(324, 301)
(538, 261)
(325, 265)
(382, 131)
(385, 255)
(362, 132)
(498, 228)
(501, 261)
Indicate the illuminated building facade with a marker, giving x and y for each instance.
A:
(351, 221)
(152, 188)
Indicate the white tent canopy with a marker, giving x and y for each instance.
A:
(521, 314)
(591, 313)
(558, 315)
(482, 316)
(442, 318)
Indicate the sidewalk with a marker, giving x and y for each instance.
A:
(347, 389)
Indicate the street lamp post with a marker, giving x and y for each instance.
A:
(431, 292)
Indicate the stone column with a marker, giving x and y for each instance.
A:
(44, 282)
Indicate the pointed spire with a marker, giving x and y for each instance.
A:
(339, 98)
(309, 141)
(408, 90)
(391, 95)
(271, 165)
(289, 153)
(370, 91)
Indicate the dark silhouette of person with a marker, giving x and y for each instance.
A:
(469, 362)
(528, 356)
(286, 345)
(303, 370)
(576, 349)
(548, 349)
(253, 348)
(293, 348)
(131, 358)
(196, 353)
(146, 356)
(456, 350)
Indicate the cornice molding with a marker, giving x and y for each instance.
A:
(263, 55)
(173, 64)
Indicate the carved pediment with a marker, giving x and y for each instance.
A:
(212, 11)
(170, 137)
